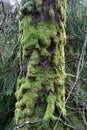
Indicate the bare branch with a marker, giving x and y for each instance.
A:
(27, 122)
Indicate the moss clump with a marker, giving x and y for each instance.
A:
(49, 114)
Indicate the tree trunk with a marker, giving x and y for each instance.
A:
(40, 87)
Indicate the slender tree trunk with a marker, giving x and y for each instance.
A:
(40, 87)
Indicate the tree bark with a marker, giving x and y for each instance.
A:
(40, 87)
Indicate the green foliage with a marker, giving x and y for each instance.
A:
(9, 67)
(76, 33)
(76, 22)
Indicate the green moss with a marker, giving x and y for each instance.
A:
(49, 114)
(24, 87)
(51, 13)
(20, 81)
(38, 3)
(36, 37)
(31, 66)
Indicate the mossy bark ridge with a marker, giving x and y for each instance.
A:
(40, 87)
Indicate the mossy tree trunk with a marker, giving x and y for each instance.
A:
(40, 87)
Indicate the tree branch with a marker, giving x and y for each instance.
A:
(3, 10)
(27, 122)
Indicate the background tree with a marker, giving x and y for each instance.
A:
(40, 87)
(76, 58)
(8, 63)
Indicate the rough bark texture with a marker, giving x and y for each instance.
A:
(40, 86)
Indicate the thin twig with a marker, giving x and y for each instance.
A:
(27, 122)
(67, 125)
(71, 60)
